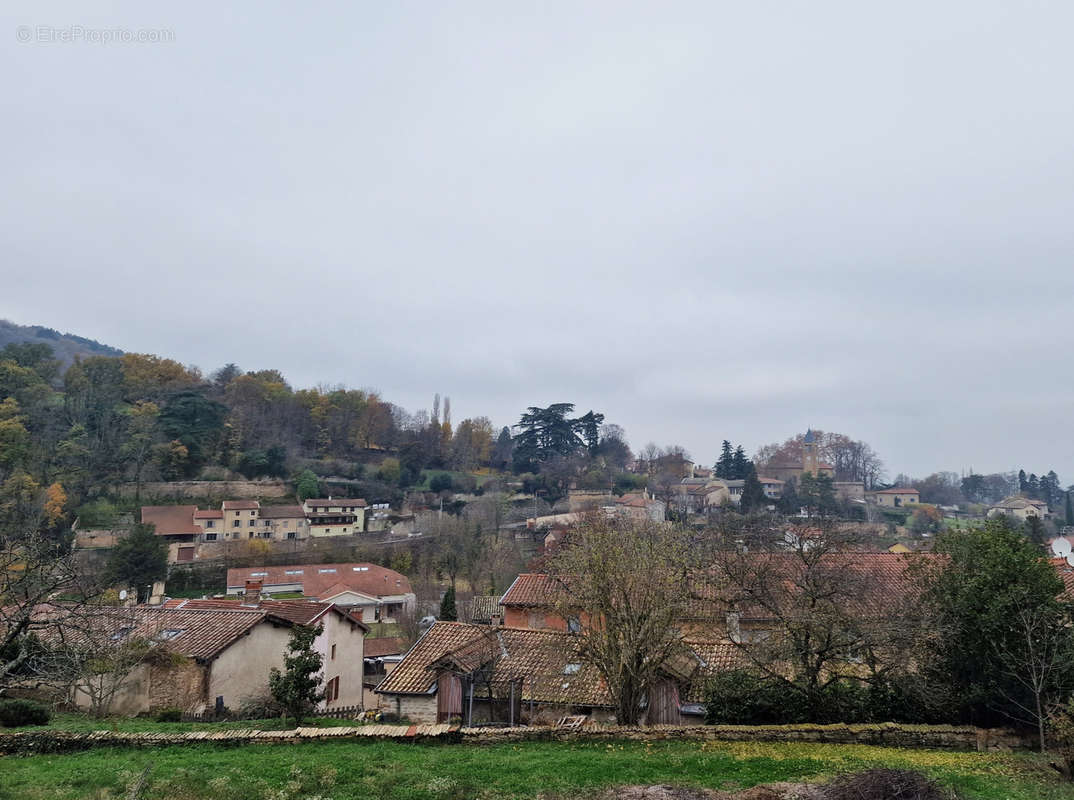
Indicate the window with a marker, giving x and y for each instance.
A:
(332, 690)
(236, 524)
(252, 513)
(208, 523)
(265, 535)
(292, 535)
(168, 633)
(253, 522)
(119, 634)
(210, 537)
(333, 652)
(360, 569)
(292, 572)
(258, 574)
(326, 570)
(574, 625)
(267, 523)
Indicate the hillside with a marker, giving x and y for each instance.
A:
(65, 345)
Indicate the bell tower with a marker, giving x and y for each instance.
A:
(810, 457)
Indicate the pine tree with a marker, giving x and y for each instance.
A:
(740, 465)
(296, 687)
(448, 611)
(725, 465)
(753, 496)
(138, 559)
(1070, 511)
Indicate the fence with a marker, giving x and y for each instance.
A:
(210, 715)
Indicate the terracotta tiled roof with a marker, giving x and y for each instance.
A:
(383, 646)
(545, 662)
(282, 512)
(530, 589)
(328, 502)
(209, 514)
(1020, 502)
(315, 579)
(199, 634)
(171, 520)
(713, 657)
(300, 612)
(482, 608)
(240, 505)
(894, 491)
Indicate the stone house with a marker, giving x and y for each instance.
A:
(893, 498)
(481, 673)
(341, 642)
(1019, 507)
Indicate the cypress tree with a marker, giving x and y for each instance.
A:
(448, 611)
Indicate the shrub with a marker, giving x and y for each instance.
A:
(886, 784)
(16, 713)
(169, 715)
(742, 697)
(440, 483)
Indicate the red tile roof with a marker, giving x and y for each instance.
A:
(199, 634)
(539, 659)
(210, 514)
(383, 646)
(300, 612)
(171, 520)
(329, 502)
(240, 505)
(282, 512)
(529, 590)
(894, 491)
(315, 579)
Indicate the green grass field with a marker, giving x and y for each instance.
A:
(368, 770)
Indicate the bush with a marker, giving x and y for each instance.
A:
(440, 483)
(16, 713)
(886, 784)
(742, 697)
(169, 715)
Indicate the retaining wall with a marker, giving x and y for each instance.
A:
(937, 737)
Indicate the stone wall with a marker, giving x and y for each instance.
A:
(889, 734)
(944, 737)
(220, 490)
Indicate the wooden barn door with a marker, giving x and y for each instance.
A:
(448, 697)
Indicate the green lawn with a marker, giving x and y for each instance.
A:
(370, 770)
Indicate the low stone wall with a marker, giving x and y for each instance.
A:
(889, 734)
(49, 741)
(931, 737)
(222, 490)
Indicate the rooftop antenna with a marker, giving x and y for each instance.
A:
(1070, 560)
(1061, 547)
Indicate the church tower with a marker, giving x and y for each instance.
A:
(810, 456)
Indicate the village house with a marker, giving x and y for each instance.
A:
(197, 659)
(893, 498)
(341, 642)
(185, 527)
(1019, 507)
(481, 673)
(637, 506)
(334, 516)
(378, 593)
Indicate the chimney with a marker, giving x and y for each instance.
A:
(251, 595)
(495, 620)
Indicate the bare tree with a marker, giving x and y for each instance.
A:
(814, 612)
(626, 583)
(1036, 662)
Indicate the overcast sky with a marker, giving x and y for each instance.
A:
(706, 220)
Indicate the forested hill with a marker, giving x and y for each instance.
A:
(65, 346)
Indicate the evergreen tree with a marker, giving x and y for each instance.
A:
(448, 612)
(1035, 530)
(307, 485)
(1022, 484)
(740, 465)
(726, 463)
(1033, 486)
(789, 503)
(588, 427)
(1070, 510)
(992, 576)
(753, 496)
(817, 494)
(138, 559)
(296, 687)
